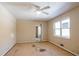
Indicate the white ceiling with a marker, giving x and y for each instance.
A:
(26, 11)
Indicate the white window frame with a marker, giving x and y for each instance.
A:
(61, 36)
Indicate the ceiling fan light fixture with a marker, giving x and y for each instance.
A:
(38, 12)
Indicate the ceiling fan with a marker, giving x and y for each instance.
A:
(41, 10)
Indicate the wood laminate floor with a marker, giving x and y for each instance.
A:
(37, 49)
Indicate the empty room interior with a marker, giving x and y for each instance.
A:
(39, 28)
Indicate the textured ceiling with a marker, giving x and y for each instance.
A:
(26, 10)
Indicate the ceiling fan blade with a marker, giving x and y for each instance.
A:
(38, 7)
(45, 13)
(47, 7)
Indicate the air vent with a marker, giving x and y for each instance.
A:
(42, 50)
(61, 45)
(33, 45)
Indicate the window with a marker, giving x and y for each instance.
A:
(62, 28)
(65, 28)
(57, 28)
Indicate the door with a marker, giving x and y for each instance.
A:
(38, 34)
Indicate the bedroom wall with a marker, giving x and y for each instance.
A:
(25, 30)
(7, 30)
(71, 44)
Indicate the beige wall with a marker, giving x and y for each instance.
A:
(71, 44)
(26, 30)
(7, 29)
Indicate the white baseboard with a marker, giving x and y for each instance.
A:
(32, 42)
(64, 49)
(7, 50)
(6, 47)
